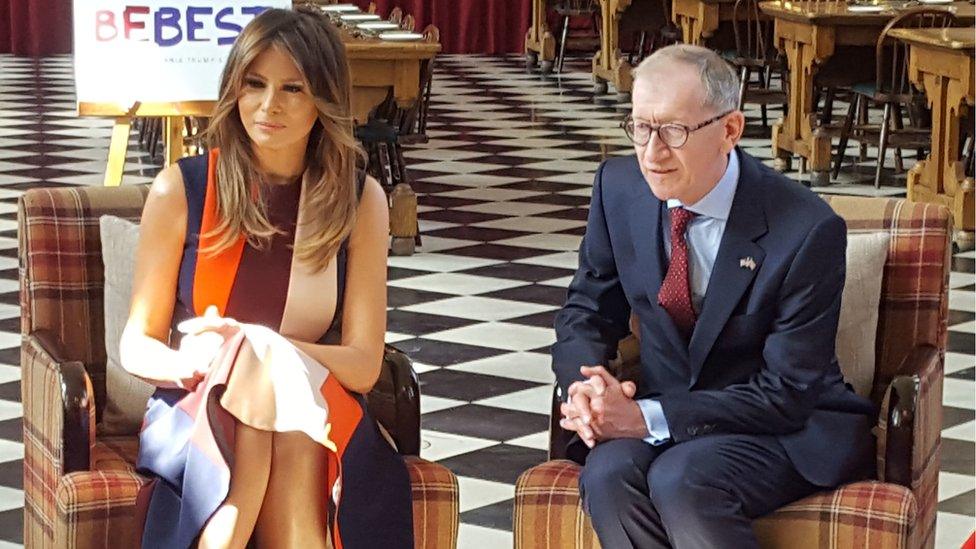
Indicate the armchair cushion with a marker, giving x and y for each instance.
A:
(126, 395)
(858, 327)
(862, 514)
(866, 514)
(97, 505)
(115, 453)
(90, 503)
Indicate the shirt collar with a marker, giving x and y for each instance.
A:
(718, 202)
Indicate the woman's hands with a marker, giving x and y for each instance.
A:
(205, 335)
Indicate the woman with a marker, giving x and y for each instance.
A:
(258, 253)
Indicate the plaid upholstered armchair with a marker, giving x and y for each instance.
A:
(895, 509)
(81, 489)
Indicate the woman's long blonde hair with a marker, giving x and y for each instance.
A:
(330, 197)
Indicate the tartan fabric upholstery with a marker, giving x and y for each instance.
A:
(548, 509)
(43, 446)
(61, 272)
(60, 269)
(81, 491)
(872, 515)
(914, 312)
(863, 514)
(914, 308)
(115, 454)
(913, 316)
(435, 504)
(97, 509)
(91, 505)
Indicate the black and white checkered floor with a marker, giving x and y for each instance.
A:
(504, 185)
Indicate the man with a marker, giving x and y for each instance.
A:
(734, 276)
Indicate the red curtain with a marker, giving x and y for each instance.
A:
(468, 26)
(35, 27)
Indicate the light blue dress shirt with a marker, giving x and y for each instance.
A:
(704, 235)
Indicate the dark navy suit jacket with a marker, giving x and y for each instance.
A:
(761, 359)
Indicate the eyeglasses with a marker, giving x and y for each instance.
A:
(674, 135)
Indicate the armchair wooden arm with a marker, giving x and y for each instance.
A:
(59, 404)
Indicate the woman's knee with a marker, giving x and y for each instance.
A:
(295, 450)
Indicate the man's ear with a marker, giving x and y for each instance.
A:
(735, 124)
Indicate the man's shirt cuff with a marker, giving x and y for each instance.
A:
(657, 424)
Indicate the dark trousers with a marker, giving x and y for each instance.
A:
(698, 494)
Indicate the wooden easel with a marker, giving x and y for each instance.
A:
(172, 114)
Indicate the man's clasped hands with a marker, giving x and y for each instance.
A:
(601, 408)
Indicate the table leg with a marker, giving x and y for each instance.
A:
(940, 178)
(609, 65)
(696, 19)
(173, 138)
(806, 47)
(403, 219)
(117, 149)
(540, 44)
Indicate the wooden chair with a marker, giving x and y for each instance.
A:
(407, 23)
(892, 90)
(391, 127)
(396, 15)
(664, 35)
(897, 508)
(756, 55)
(567, 10)
(150, 134)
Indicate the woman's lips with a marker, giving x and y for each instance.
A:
(268, 126)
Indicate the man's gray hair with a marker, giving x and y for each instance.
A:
(718, 79)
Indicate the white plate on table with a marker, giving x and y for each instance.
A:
(866, 8)
(341, 8)
(378, 26)
(935, 1)
(356, 17)
(401, 36)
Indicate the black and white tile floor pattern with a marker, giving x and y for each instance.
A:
(504, 185)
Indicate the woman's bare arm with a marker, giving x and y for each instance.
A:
(356, 362)
(143, 348)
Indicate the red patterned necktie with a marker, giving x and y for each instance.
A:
(675, 293)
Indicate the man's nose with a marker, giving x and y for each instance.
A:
(655, 149)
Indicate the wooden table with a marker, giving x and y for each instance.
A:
(376, 67)
(940, 61)
(699, 19)
(609, 64)
(808, 33)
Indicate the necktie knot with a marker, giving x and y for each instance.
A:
(680, 217)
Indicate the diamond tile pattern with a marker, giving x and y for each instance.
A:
(503, 187)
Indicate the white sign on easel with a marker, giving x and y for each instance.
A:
(157, 50)
(155, 58)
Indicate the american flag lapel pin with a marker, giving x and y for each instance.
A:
(748, 263)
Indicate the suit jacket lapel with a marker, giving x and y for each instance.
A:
(645, 226)
(730, 278)
(645, 223)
